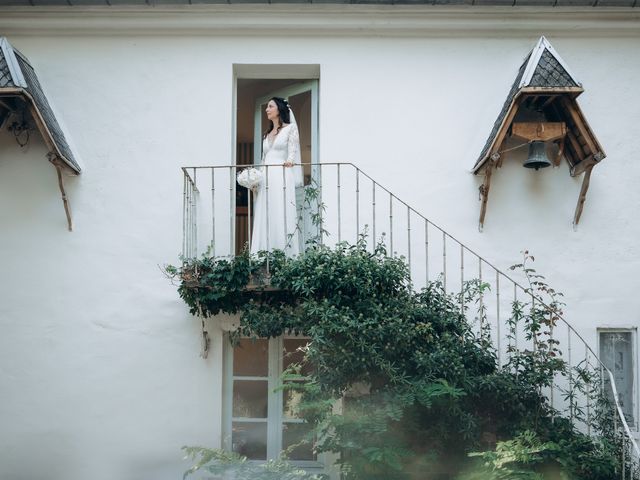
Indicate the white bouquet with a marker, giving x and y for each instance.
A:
(250, 178)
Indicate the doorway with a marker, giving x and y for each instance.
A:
(251, 122)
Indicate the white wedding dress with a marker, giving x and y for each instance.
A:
(275, 216)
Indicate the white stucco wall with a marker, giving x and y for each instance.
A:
(99, 369)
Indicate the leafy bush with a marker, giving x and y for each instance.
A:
(421, 389)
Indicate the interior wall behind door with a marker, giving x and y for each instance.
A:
(248, 90)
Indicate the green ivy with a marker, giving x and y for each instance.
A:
(431, 390)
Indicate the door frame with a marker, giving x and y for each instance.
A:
(308, 77)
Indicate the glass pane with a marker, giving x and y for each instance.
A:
(294, 353)
(250, 440)
(290, 403)
(298, 434)
(250, 398)
(616, 352)
(251, 358)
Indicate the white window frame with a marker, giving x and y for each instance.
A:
(275, 417)
(635, 361)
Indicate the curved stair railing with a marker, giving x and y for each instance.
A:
(342, 203)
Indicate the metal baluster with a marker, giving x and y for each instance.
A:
(615, 420)
(339, 218)
(515, 326)
(284, 207)
(305, 209)
(184, 213)
(534, 337)
(587, 366)
(374, 214)
(461, 278)
(426, 250)
(189, 214)
(481, 299)
(195, 216)
(195, 222)
(570, 373)
(232, 219)
(391, 224)
(191, 219)
(267, 211)
(624, 449)
(302, 220)
(498, 317)
(601, 377)
(249, 191)
(213, 212)
(409, 238)
(444, 261)
(551, 396)
(357, 204)
(320, 216)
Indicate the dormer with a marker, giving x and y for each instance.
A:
(24, 105)
(541, 108)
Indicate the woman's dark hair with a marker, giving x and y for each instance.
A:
(283, 111)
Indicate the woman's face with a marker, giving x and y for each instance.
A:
(272, 111)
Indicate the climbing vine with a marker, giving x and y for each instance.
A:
(422, 393)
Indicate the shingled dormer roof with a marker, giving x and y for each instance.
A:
(18, 81)
(545, 68)
(544, 89)
(543, 72)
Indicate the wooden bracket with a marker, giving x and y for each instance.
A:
(53, 158)
(583, 196)
(206, 340)
(206, 343)
(580, 123)
(539, 131)
(582, 167)
(484, 192)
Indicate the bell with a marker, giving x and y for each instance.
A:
(537, 156)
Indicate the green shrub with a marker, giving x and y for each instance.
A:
(434, 394)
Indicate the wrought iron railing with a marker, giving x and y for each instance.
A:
(348, 205)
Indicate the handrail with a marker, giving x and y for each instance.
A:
(190, 174)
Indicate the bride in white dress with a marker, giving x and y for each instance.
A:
(275, 217)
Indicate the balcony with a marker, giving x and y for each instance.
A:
(341, 203)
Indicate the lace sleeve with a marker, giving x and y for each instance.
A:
(294, 156)
(293, 147)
